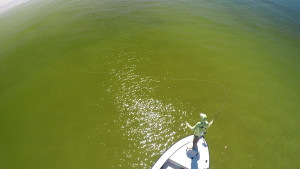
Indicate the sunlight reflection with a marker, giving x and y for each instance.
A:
(143, 118)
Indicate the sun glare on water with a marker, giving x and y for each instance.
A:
(6, 5)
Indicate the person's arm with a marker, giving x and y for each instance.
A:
(190, 127)
(210, 123)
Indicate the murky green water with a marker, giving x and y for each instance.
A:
(109, 84)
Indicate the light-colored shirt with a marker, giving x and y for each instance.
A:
(199, 127)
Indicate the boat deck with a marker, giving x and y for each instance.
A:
(178, 157)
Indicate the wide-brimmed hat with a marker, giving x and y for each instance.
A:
(203, 117)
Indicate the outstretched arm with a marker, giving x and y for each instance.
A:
(190, 127)
(211, 122)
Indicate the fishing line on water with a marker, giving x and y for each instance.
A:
(175, 79)
(208, 81)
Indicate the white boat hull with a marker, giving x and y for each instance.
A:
(178, 156)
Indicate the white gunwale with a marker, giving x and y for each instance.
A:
(176, 153)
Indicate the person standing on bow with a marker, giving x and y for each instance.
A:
(199, 128)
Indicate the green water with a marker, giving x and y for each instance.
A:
(109, 84)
